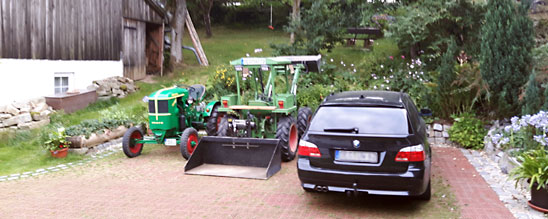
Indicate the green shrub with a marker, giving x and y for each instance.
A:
(313, 95)
(467, 131)
(532, 97)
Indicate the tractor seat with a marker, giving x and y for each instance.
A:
(196, 91)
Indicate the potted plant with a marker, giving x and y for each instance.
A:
(534, 169)
(56, 142)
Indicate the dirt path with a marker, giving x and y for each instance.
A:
(154, 186)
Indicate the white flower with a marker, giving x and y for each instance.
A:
(387, 81)
(375, 87)
(391, 76)
(382, 66)
(331, 60)
(352, 65)
(387, 88)
(382, 85)
(354, 70)
(375, 77)
(411, 66)
(505, 140)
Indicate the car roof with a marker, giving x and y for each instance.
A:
(365, 98)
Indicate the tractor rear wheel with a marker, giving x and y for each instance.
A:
(303, 120)
(214, 121)
(224, 130)
(289, 137)
(129, 145)
(189, 141)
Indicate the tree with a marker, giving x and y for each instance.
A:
(177, 31)
(532, 98)
(505, 60)
(295, 16)
(205, 7)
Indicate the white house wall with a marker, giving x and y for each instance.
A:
(23, 79)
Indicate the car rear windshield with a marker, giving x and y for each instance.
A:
(363, 120)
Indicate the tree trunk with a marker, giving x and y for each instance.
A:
(206, 9)
(295, 15)
(177, 32)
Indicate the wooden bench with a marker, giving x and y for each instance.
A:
(362, 33)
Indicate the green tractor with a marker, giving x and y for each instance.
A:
(254, 135)
(175, 115)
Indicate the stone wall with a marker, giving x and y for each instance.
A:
(438, 133)
(113, 87)
(25, 114)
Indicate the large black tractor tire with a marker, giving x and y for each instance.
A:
(224, 130)
(289, 137)
(427, 194)
(189, 142)
(303, 119)
(214, 121)
(132, 149)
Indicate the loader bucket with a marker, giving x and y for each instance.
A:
(253, 158)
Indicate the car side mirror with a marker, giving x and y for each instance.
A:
(426, 112)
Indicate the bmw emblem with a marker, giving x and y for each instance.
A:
(356, 143)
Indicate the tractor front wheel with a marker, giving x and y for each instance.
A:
(214, 121)
(303, 120)
(129, 142)
(289, 137)
(189, 141)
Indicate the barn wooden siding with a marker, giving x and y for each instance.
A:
(139, 10)
(61, 29)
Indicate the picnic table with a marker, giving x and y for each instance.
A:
(362, 33)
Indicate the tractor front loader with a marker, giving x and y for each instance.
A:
(260, 129)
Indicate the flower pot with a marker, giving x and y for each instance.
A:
(539, 198)
(59, 153)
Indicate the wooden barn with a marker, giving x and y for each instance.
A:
(127, 30)
(60, 45)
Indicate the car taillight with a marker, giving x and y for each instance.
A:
(308, 149)
(281, 104)
(411, 154)
(225, 103)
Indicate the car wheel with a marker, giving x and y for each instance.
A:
(214, 121)
(129, 145)
(289, 137)
(303, 120)
(189, 142)
(427, 194)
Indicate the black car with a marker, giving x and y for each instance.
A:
(370, 142)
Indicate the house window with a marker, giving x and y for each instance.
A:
(61, 82)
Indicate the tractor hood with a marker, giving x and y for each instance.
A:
(168, 93)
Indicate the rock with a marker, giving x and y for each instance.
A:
(131, 88)
(117, 92)
(445, 134)
(102, 91)
(446, 127)
(440, 140)
(93, 87)
(33, 125)
(21, 104)
(25, 110)
(36, 101)
(431, 140)
(19, 119)
(40, 108)
(438, 127)
(41, 116)
(9, 109)
(4, 116)
(78, 150)
(437, 134)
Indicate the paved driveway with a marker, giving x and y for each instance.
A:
(155, 186)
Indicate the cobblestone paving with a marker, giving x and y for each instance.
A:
(515, 199)
(154, 186)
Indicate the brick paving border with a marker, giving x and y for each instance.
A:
(475, 196)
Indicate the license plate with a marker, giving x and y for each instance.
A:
(171, 142)
(357, 156)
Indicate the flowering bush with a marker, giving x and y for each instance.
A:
(467, 131)
(55, 140)
(526, 132)
(397, 74)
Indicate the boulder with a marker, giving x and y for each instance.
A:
(21, 104)
(9, 109)
(445, 134)
(93, 87)
(25, 110)
(36, 101)
(117, 92)
(4, 116)
(41, 116)
(33, 125)
(41, 107)
(438, 127)
(19, 119)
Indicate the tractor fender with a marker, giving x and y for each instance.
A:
(209, 108)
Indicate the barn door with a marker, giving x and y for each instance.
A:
(134, 56)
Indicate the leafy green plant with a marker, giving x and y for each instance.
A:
(467, 131)
(532, 96)
(53, 140)
(534, 168)
(313, 95)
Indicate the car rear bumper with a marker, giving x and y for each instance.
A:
(413, 182)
